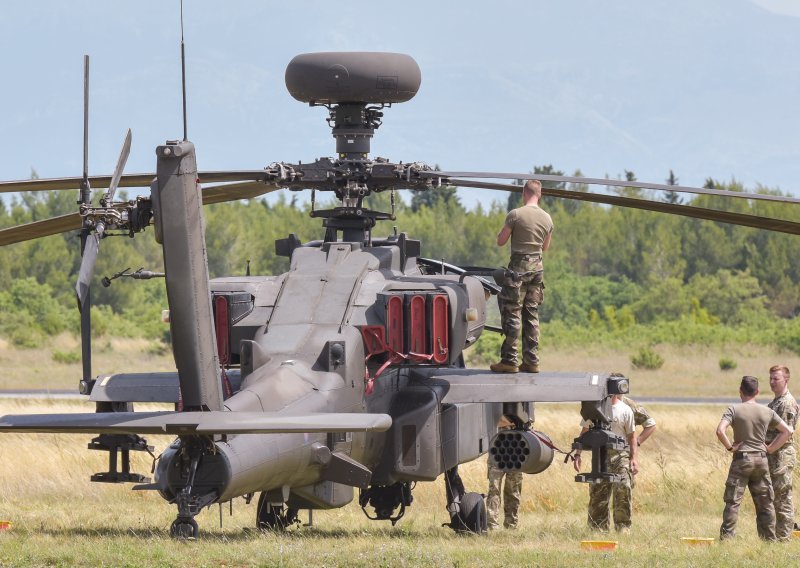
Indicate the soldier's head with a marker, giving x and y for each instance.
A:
(532, 188)
(779, 379)
(749, 387)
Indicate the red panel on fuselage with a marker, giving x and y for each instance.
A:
(439, 327)
(417, 332)
(394, 323)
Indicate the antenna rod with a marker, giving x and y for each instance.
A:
(85, 194)
(183, 76)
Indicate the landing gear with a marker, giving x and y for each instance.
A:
(185, 528)
(471, 517)
(274, 517)
(189, 503)
(467, 510)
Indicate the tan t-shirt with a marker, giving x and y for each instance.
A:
(750, 422)
(530, 225)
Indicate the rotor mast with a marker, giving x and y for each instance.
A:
(354, 87)
(353, 126)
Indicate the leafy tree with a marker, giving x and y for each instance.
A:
(431, 197)
(672, 196)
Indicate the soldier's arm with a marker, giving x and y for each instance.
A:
(785, 432)
(634, 452)
(722, 436)
(576, 463)
(503, 235)
(547, 240)
(648, 430)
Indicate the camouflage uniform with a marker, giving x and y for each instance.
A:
(511, 497)
(619, 461)
(781, 466)
(519, 301)
(749, 470)
(600, 494)
(640, 415)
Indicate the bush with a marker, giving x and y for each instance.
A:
(726, 364)
(486, 350)
(646, 358)
(66, 357)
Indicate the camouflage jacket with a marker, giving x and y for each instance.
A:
(640, 415)
(786, 407)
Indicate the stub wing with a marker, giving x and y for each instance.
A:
(476, 385)
(182, 423)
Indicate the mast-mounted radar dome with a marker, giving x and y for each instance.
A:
(353, 77)
(354, 86)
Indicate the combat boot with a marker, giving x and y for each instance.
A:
(529, 368)
(503, 367)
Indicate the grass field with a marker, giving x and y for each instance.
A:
(60, 518)
(687, 371)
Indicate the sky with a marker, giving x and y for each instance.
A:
(706, 88)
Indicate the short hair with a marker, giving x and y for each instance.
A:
(782, 368)
(533, 187)
(749, 386)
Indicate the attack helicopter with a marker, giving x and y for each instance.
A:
(345, 372)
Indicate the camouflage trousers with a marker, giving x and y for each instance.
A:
(511, 493)
(519, 301)
(601, 495)
(749, 470)
(781, 470)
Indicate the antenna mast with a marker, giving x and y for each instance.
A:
(183, 76)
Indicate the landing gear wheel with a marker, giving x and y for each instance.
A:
(471, 517)
(184, 528)
(274, 517)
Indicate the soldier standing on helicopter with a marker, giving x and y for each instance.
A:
(530, 229)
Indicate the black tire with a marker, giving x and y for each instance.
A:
(185, 529)
(292, 516)
(273, 517)
(472, 516)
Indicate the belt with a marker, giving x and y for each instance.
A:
(755, 454)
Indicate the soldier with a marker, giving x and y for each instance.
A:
(782, 462)
(511, 492)
(749, 467)
(623, 462)
(640, 418)
(530, 229)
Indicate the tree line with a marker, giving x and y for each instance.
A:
(610, 269)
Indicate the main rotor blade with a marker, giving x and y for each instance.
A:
(236, 191)
(125, 180)
(123, 158)
(43, 228)
(56, 184)
(87, 267)
(616, 183)
(743, 219)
